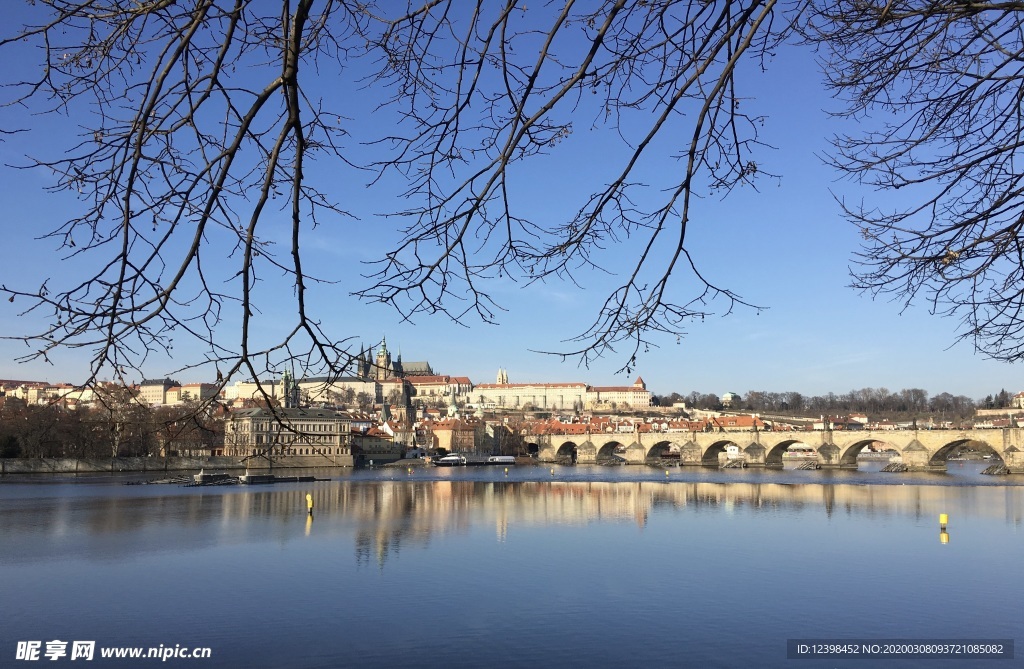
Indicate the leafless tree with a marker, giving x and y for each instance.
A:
(205, 122)
(936, 89)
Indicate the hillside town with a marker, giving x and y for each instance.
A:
(387, 409)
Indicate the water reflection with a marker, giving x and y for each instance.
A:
(514, 573)
(382, 516)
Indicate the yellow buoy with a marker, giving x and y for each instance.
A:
(552, 471)
(309, 503)
(506, 471)
(943, 520)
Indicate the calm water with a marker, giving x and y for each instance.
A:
(586, 567)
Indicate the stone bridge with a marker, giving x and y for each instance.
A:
(920, 449)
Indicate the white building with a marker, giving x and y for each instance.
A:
(288, 432)
(560, 396)
(635, 396)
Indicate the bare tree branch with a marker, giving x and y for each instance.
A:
(945, 79)
(200, 118)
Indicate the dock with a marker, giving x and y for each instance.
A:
(267, 479)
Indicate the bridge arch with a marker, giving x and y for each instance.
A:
(611, 450)
(710, 456)
(941, 456)
(849, 452)
(568, 451)
(664, 450)
(773, 456)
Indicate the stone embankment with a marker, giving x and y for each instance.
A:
(154, 464)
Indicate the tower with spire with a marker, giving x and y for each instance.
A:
(397, 367)
(383, 369)
(289, 391)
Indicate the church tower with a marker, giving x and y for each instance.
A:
(289, 391)
(502, 377)
(383, 367)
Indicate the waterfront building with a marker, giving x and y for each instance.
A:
(288, 432)
(402, 433)
(457, 435)
(376, 444)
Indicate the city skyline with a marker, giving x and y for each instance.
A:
(588, 379)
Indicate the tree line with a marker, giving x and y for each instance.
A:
(114, 429)
(877, 403)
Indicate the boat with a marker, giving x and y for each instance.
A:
(450, 461)
(456, 460)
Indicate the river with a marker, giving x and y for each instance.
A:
(537, 567)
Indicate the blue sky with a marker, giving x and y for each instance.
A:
(785, 248)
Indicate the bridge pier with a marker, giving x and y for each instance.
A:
(756, 455)
(636, 454)
(832, 457)
(917, 458)
(690, 455)
(1013, 458)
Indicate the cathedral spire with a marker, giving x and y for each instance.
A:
(383, 366)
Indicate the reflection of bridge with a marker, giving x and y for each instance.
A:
(920, 449)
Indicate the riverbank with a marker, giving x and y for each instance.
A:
(156, 464)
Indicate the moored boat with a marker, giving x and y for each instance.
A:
(450, 461)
